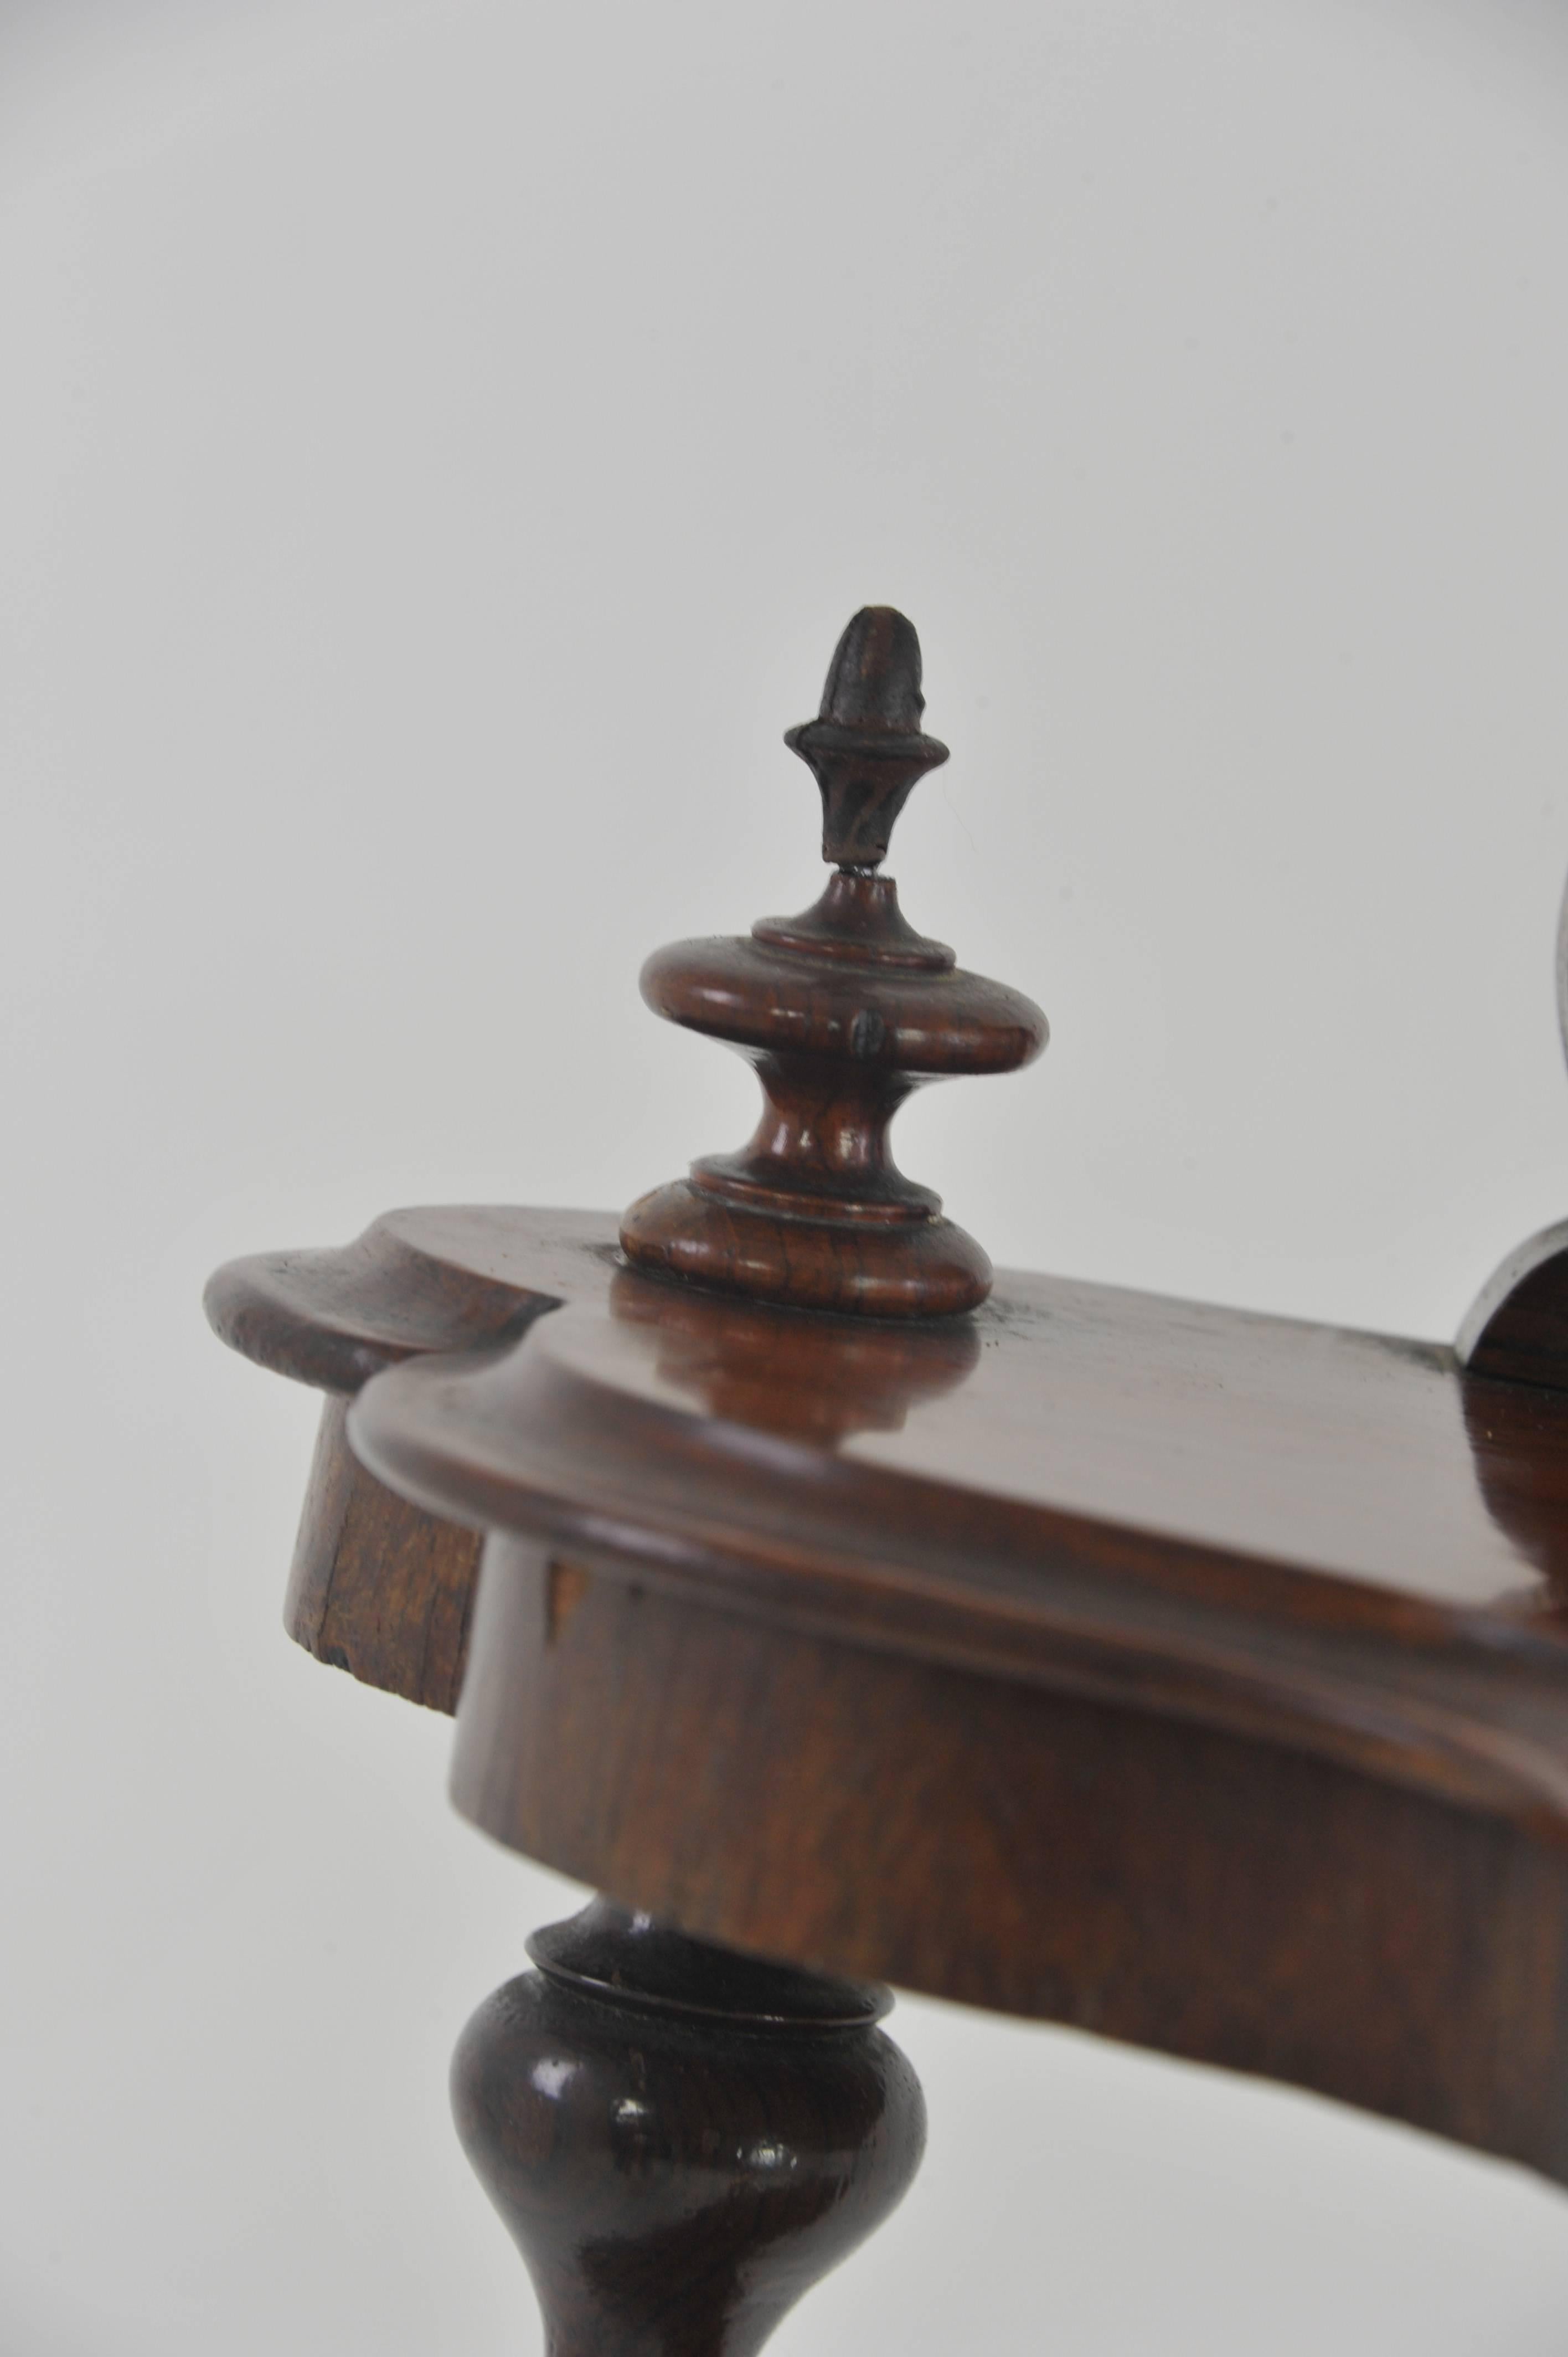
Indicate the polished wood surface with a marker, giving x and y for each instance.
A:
(1213, 1667)
(680, 2141)
(1343, 1454)
(1233, 1899)
(378, 1586)
(1357, 1456)
(440, 1277)
(1193, 1677)
(1310, 1536)
(1518, 1329)
(843, 1012)
(1332, 1537)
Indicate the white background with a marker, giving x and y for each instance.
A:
(438, 448)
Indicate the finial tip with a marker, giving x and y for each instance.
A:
(866, 746)
(874, 680)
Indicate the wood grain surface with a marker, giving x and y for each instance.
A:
(1212, 1668)
(843, 1012)
(1230, 1900)
(680, 2141)
(1289, 1531)
(379, 1586)
(1197, 1678)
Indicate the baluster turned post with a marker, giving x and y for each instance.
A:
(681, 2140)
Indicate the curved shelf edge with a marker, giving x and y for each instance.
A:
(1468, 1706)
(444, 1278)
(379, 1586)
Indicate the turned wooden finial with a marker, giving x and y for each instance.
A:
(843, 1011)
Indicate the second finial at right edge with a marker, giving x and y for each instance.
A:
(1516, 1330)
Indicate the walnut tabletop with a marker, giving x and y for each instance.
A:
(787, 1615)
(847, 1612)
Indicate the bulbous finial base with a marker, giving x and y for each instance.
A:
(918, 1268)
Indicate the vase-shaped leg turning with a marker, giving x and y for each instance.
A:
(681, 2140)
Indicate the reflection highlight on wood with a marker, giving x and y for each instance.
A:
(681, 2142)
(1094, 1861)
(843, 1012)
(1197, 1678)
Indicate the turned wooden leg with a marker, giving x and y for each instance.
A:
(680, 2139)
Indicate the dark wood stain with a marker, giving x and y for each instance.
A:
(1518, 1330)
(1230, 1901)
(1196, 1678)
(1280, 1531)
(378, 1586)
(843, 1012)
(679, 2142)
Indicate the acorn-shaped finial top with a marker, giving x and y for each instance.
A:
(866, 746)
